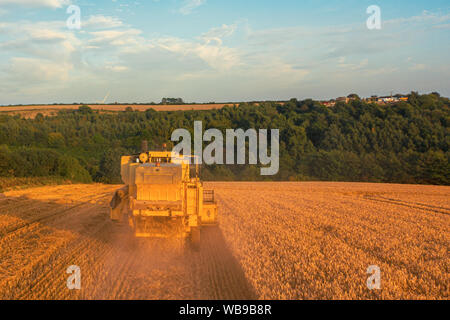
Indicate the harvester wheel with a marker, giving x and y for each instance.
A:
(195, 237)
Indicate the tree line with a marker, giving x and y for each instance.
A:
(406, 142)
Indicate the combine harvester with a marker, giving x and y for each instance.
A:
(163, 196)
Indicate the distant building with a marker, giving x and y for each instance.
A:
(372, 99)
(391, 99)
(387, 99)
(328, 104)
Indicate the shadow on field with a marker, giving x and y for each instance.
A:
(222, 275)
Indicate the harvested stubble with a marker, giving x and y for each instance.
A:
(275, 241)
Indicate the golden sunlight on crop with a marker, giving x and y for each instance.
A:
(275, 241)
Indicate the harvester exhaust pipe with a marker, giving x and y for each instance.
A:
(144, 146)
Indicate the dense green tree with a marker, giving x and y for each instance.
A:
(109, 170)
(56, 140)
(407, 142)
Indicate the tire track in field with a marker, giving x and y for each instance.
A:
(54, 269)
(142, 269)
(169, 269)
(418, 203)
(57, 214)
(17, 204)
(115, 265)
(412, 205)
(88, 247)
(286, 206)
(42, 268)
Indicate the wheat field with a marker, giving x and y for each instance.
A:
(316, 240)
(275, 241)
(30, 112)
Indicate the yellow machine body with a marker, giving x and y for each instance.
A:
(162, 196)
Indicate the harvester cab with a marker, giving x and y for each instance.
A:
(163, 197)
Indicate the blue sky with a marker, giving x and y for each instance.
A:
(211, 50)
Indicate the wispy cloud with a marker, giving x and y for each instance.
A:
(102, 22)
(352, 66)
(36, 3)
(209, 49)
(442, 26)
(228, 61)
(217, 34)
(418, 67)
(190, 5)
(426, 17)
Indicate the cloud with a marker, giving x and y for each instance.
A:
(124, 40)
(102, 22)
(243, 63)
(114, 37)
(381, 71)
(425, 17)
(442, 26)
(101, 56)
(36, 3)
(45, 40)
(36, 70)
(352, 66)
(117, 68)
(214, 53)
(347, 40)
(40, 56)
(190, 5)
(417, 67)
(217, 34)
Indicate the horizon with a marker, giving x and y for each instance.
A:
(215, 102)
(205, 50)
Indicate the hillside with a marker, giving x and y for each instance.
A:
(407, 142)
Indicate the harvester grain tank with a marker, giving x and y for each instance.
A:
(163, 196)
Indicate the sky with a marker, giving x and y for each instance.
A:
(220, 51)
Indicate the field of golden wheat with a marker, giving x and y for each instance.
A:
(50, 110)
(275, 241)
